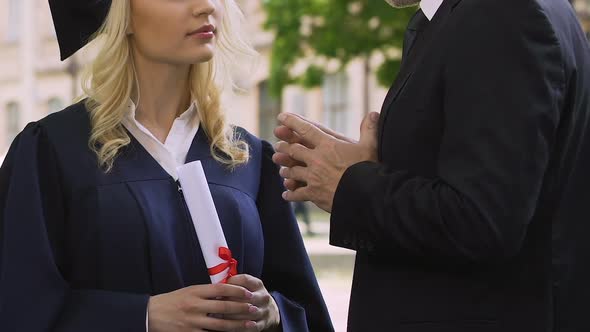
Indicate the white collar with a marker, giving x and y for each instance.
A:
(172, 153)
(430, 7)
(184, 117)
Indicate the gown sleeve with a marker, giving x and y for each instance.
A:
(34, 295)
(287, 271)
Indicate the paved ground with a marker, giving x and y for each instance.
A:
(333, 267)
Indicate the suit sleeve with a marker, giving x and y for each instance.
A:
(287, 272)
(34, 295)
(503, 83)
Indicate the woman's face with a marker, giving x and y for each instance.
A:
(175, 31)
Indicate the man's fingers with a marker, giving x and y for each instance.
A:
(326, 129)
(368, 137)
(285, 134)
(293, 185)
(369, 128)
(307, 131)
(297, 152)
(299, 195)
(283, 159)
(332, 132)
(296, 173)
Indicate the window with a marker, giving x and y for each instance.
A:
(270, 108)
(335, 97)
(13, 19)
(55, 105)
(12, 121)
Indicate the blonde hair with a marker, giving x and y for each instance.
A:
(110, 80)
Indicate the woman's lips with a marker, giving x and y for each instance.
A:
(205, 32)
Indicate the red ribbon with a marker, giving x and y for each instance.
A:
(225, 254)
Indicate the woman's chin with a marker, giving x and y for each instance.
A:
(200, 56)
(190, 60)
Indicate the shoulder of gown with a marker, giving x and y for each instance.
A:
(32, 250)
(68, 126)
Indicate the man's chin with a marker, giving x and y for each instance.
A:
(402, 3)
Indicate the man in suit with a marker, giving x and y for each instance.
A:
(472, 214)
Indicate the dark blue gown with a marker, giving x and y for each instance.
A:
(82, 251)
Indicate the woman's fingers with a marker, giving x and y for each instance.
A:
(222, 325)
(220, 291)
(254, 314)
(225, 307)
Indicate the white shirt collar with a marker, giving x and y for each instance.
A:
(186, 116)
(430, 7)
(172, 153)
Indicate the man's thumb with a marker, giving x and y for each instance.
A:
(369, 129)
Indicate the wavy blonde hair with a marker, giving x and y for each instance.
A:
(109, 81)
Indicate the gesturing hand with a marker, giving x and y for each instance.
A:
(287, 135)
(319, 159)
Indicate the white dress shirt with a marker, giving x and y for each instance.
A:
(172, 153)
(430, 7)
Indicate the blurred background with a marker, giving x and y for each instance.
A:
(329, 60)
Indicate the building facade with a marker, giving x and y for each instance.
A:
(34, 82)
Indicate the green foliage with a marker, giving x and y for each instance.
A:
(387, 71)
(332, 29)
(312, 77)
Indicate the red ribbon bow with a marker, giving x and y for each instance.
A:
(225, 254)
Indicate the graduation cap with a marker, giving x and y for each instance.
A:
(76, 21)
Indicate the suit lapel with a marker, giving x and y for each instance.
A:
(414, 57)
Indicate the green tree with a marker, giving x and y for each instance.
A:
(333, 29)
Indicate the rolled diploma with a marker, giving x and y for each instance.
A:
(204, 215)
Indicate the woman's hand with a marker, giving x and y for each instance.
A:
(266, 316)
(199, 308)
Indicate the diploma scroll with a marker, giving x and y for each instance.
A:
(218, 257)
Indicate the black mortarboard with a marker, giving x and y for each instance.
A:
(76, 21)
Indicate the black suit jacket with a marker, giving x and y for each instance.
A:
(476, 218)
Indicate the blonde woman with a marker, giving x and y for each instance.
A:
(94, 231)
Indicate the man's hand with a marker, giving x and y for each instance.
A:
(314, 158)
(285, 134)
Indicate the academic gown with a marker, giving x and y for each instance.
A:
(82, 250)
